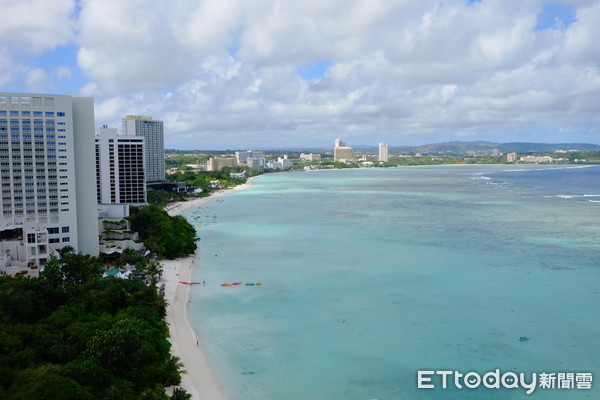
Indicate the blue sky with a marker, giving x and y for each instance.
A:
(555, 16)
(314, 70)
(264, 73)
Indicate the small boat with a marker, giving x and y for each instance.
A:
(523, 338)
(237, 283)
(258, 283)
(226, 284)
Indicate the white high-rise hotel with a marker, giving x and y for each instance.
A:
(48, 181)
(152, 131)
(383, 152)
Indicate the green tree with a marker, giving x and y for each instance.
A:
(159, 197)
(44, 383)
(153, 269)
(164, 235)
(66, 250)
(180, 394)
(93, 338)
(72, 269)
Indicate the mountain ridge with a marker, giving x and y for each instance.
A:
(443, 148)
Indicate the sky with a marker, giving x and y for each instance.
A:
(241, 74)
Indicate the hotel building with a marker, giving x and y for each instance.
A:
(152, 131)
(310, 157)
(383, 152)
(48, 185)
(344, 153)
(256, 163)
(282, 163)
(120, 177)
(243, 156)
(218, 163)
(339, 143)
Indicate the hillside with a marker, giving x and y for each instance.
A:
(457, 147)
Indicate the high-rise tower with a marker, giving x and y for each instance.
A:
(47, 172)
(119, 168)
(383, 152)
(152, 131)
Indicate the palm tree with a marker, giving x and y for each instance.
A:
(66, 250)
(180, 394)
(154, 269)
(173, 369)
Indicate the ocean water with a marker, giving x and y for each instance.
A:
(371, 275)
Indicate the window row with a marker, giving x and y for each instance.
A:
(26, 113)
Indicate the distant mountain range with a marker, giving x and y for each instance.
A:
(447, 148)
(457, 147)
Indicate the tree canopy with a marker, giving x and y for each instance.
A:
(74, 335)
(163, 235)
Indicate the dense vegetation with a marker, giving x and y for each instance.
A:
(161, 197)
(162, 234)
(179, 160)
(202, 179)
(71, 334)
(588, 156)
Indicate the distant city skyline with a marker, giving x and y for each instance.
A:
(268, 74)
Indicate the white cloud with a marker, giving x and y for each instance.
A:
(36, 25)
(7, 67)
(37, 80)
(225, 73)
(580, 44)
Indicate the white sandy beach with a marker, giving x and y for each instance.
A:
(199, 379)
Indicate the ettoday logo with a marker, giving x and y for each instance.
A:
(508, 380)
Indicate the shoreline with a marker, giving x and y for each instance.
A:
(198, 379)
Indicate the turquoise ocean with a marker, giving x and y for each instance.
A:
(370, 275)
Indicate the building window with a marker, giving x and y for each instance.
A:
(60, 114)
(31, 238)
(66, 239)
(65, 229)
